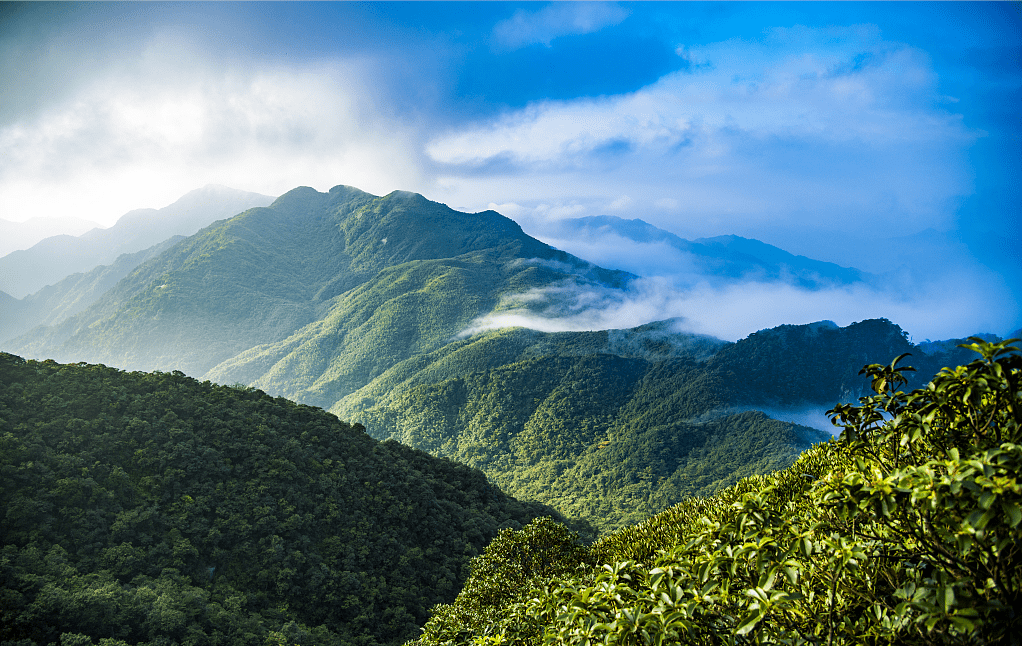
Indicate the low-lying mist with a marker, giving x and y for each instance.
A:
(953, 306)
(938, 291)
(811, 416)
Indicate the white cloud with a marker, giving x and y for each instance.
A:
(554, 20)
(955, 306)
(613, 251)
(143, 136)
(556, 132)
(819, 96)
(821, 129)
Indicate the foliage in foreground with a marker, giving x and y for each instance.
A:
(907, 530)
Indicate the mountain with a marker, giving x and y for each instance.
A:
(886, 536)
(617, 425)
(22, 235)
(54, 304)
(364, 305)
(153, 508)
(26, 271)
(720, 259)
(328, 289)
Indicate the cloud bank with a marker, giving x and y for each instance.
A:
(938, 310)
(806, 133)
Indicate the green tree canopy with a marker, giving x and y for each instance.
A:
(906, 530)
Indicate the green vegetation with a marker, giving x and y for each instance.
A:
(250, 518)
(907, 530)
(600, 437)
(315, 289)
(356, 303)
(56, 303)
(615, 426)
(151, 508)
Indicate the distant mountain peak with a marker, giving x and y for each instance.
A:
(725, 258)
(50, 260)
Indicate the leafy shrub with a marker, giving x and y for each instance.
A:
(907, 530)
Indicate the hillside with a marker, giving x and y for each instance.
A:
(154, 508)
(312, 283)
(617, 425)
(360, 304)
(56, 303)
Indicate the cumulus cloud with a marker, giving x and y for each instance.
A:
(827, 129)
(541, 27)
(881, 97)
(143, 134)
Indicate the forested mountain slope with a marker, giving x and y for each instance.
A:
(355, 303)
(359, 304)
(614, 426)
(54, 304)
(154, 508)
(333, 288)
(906, 530)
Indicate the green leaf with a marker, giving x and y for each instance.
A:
(748, 623)
(1013, 512)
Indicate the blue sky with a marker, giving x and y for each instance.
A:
(878, 135)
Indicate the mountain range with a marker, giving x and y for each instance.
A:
(718, 260)
(25, 271)
(369, 306)
(22, 235)
(153, 507)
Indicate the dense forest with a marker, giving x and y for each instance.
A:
(617, 425)
(908, 530)
(153, 508)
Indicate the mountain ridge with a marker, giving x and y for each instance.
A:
(719, 258)
(365, 305)
(55, 303)
(15, 236)
(266, 273)
(24, 272)
(574, 418)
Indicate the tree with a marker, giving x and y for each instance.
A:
(936, 492)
